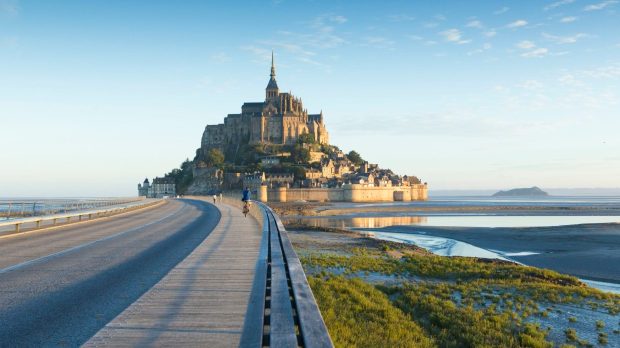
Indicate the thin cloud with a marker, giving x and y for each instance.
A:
(378, 41)
(565, 39)
(490, 33)
(600, 5)
(558, 4)
(487, 46)
(526, 45)
(531, 85)
(535, 53)
(454, 35)
(531, 51)
(220, 57)
(517, 24)
(338, 19)
(401, 18)
(568, 19)
(475, 24)
(501, 10)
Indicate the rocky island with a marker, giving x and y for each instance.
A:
(522, 192)
(281, 152)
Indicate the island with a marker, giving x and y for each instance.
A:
(522, 192)
(281, 153)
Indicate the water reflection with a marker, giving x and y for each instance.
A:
(359, 222)
(450, 221)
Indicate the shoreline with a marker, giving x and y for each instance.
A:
(468, 250)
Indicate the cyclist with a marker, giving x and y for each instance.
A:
(246, 201)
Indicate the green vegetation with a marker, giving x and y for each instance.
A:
(355, 157)
(380, 292)
(182, 176)
(300, 154)
(359, 315)
(602, 338)
(214, 158)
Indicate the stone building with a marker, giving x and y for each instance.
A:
(161, 187)
(280, 119)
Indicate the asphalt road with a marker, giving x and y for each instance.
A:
(59, 287)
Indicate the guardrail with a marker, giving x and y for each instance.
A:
(29, 207)
(282, 311)
(36, 222)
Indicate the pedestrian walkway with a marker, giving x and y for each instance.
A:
(202, 301)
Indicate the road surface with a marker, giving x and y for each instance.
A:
(58, 287)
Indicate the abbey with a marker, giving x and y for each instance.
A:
(280, 119)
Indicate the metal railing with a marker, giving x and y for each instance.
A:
(20, 208)
(36, 222)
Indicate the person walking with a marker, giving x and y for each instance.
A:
(214, 198)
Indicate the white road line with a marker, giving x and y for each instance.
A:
(77, 247)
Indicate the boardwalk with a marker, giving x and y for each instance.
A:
(202, 301)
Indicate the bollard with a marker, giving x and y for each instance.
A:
(38, 223)
(17, 228)
(54, 221)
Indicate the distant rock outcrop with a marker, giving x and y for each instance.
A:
(522, 192)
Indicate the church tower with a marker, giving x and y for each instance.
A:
(272, 90)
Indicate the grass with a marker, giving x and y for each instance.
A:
(441, 301)
(359, 315)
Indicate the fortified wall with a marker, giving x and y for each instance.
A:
(346, 193)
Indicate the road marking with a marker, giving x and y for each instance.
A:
(77, 247)
(96, 219)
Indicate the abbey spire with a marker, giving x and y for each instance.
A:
(272, 90)
(273, 67)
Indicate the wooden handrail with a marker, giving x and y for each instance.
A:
(291, 317)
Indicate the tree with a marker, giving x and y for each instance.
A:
(355, 157)
(182, 177)
(306, 138)
(299, 154)
(214, 158)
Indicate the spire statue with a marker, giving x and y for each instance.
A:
(273, 67)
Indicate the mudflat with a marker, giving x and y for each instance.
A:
(590, 251)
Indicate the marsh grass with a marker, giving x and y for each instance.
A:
(442, 301)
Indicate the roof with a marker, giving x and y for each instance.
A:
(272, 83)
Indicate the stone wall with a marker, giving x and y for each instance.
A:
(347, 193)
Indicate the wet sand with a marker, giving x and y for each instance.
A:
(589, 251)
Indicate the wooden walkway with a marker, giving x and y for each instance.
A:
(202, 301)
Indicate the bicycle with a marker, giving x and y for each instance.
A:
(246, 208)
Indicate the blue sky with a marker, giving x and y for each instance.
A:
(96, 95)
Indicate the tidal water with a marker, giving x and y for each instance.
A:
(474, 212)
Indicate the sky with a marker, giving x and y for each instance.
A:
(97, 95)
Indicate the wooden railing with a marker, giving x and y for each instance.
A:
(282, 311)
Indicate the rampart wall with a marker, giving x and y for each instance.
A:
(346, 193)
